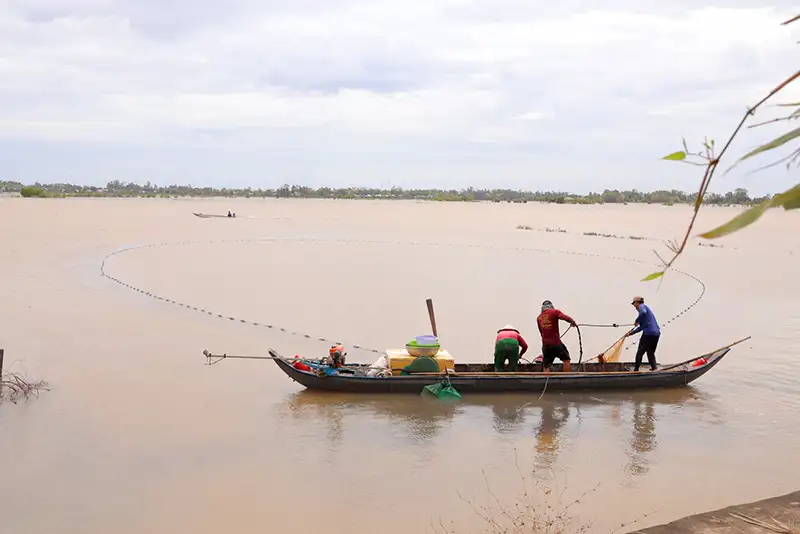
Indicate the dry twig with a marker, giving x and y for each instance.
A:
(14, 387)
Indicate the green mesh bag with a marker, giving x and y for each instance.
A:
(442, 391)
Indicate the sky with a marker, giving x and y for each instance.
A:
(521, 94)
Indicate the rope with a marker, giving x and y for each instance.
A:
(167, 300)
(612, 325)
(546, 380)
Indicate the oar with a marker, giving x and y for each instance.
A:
(223, 356)
(432, 317)
(318, 361)
(704, 355)
(449, 391)
(220, 357)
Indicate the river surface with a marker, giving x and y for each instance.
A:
(137, 435)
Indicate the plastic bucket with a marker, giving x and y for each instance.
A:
(427, 341)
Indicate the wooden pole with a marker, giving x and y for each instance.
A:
(432, 317)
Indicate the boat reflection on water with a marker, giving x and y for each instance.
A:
(554, 416)
(420, 418)
(643, 438)
(600, 418)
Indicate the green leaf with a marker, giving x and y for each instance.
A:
(680, 155)
(775, 143)
(652, 276)
(789, 199)
(745, 218)
(792, 204)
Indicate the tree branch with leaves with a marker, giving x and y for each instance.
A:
(709, 159)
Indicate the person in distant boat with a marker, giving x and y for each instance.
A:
(337, 355)
(552, 347)
(507, 347)
(230, 214)
(647, 324)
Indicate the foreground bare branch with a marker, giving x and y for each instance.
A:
(532, 511)
(14, 387)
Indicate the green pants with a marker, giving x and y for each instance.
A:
(506, 349)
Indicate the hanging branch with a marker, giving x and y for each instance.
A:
(710, 159)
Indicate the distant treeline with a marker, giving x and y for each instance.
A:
(122, 189)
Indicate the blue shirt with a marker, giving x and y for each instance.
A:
(646, 322)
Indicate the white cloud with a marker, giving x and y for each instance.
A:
(523, 86)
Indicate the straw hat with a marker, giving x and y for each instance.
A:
(508, 327)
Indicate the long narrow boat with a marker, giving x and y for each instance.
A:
(481, 378)
(210, 215)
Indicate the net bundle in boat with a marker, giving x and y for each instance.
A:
(613, 353)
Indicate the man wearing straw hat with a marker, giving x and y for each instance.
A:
(506, 347)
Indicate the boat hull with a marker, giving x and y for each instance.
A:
(472, 382)
(210, 216)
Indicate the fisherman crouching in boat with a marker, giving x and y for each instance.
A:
(337, 355)
(552, 347)
(646, 324)
(507, 347)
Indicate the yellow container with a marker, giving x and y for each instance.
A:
(399, 358)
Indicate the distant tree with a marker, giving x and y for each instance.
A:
(31, 191)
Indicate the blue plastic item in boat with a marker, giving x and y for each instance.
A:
(427, 341)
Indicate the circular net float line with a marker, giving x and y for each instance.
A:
(230, 318)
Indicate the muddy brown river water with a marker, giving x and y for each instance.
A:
(137, 435)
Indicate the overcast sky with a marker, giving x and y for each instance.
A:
(417, 93)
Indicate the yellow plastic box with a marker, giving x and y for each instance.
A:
(399, 358)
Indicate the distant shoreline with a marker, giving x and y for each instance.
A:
(199, 197)
(116, 189)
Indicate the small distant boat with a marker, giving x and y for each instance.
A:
(211, 215)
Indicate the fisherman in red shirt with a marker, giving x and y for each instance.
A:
(552, 347)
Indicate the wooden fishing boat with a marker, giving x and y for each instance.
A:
(210, 215)
(481, 378)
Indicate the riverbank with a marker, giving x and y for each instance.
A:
(785, 510)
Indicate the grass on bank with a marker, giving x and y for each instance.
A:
(537, 508)
(15, 387)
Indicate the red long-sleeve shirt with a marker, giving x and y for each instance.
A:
(548, 325)
(502, 334)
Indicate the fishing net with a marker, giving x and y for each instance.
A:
(613, 353)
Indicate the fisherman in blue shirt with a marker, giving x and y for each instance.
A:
(646, 324)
